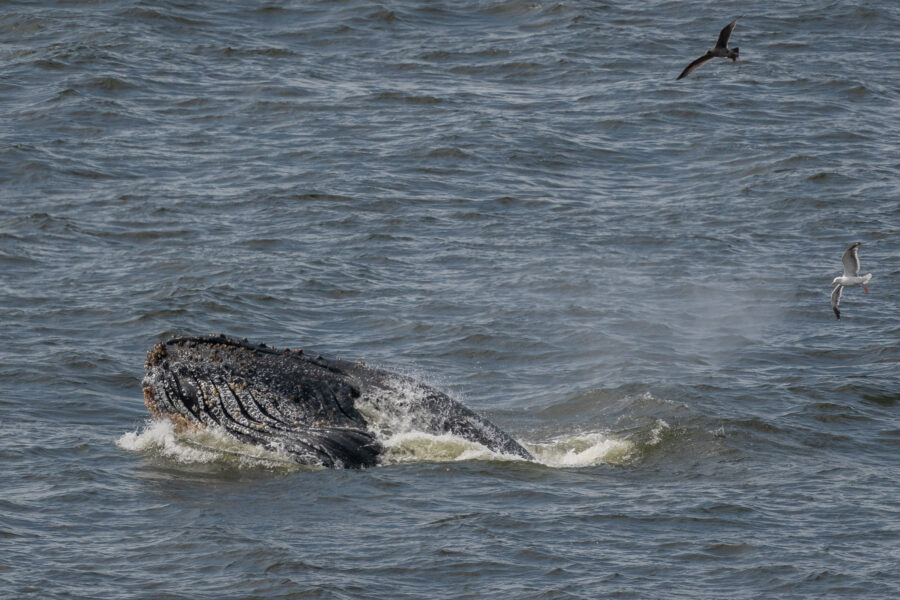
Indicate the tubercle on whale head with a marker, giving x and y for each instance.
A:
(181, 423)
(150, 402)
(222, 341)
(155, 355)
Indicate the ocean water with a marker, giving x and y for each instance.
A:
(514, 202)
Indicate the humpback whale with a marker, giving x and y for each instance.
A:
(319, 411)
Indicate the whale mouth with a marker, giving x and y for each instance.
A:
(250, 393)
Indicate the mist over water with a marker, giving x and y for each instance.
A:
(514, 202)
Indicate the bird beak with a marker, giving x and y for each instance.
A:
(832, 283)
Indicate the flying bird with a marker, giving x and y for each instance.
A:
(720, 50)
(850, 278)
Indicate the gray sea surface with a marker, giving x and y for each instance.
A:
(515, 202)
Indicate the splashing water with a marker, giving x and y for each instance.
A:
(203, 446)
(417, 446)
(582, 450)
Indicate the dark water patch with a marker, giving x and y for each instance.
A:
(50, 64)
(384, 16)
(508, 69)
(407, 98)
(886, 398)
(827, 412)
(447, 153)
(108, 84)
(451, 57)
(315, 196)
(857, 92)
(273, 52)
(836, 178)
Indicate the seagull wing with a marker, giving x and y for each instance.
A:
(694, 65)
(725, 34)
(851, 261)
(836, 299)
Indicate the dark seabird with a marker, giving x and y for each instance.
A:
(850, 278)
(720, 50)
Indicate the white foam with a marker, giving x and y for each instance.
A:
(656, 434)
(209, 445)
(390, 411)
(582, 450)
(418, 446)
(394, 416)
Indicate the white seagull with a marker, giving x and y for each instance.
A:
(850, 278)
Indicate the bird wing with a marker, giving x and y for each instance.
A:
(836, 299)
(694, 65)
(851, 261)
(722, 42)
